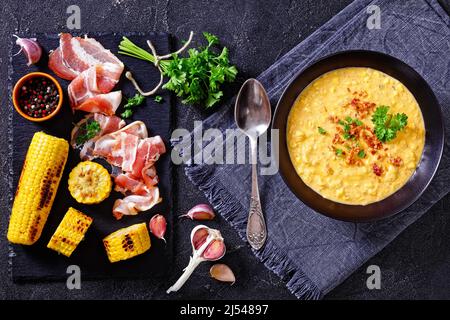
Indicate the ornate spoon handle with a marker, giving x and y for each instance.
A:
(256, 226)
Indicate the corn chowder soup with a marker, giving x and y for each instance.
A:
(355, 135)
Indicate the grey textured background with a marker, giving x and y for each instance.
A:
(415, 265)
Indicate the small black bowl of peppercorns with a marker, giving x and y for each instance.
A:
(37, 96)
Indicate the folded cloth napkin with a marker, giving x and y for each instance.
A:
(312, 253)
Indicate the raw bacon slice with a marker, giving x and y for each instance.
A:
(148, 153)
(56, 64)
(94, 71)
(132, 205)
(136, 128)
(132, 154)
(106, 103)
(110, 146)
(125, 183)
(107, 124)
(93, 81)
(92, 52)
(149, 176)
(72, 54)
(77, 54)
(124, 151)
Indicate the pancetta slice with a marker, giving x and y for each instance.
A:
(133, 155)
(94, 71)
(126, 150)
(126, 184)
(56, 64)
(107, 125)
(108, 143)
(90, 84)
(106, 103)
(148, 152)
(133, 204)
(76, 54)
(149, 176)
(93, 81)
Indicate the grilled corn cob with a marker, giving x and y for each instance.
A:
(127, 242)
(38, 183)
(89, 183)
(70, 232)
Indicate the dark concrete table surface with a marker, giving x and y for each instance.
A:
(415, 265)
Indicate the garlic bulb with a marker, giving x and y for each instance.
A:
(207, 245)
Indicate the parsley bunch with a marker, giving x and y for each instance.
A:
(197, 78)
(387, 125)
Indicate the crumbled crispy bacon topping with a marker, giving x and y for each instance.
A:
(351, 131)
(362, 93)
(355, 130)
(371, 139)
(353, 158)
(396, 161)
(337, 139)
(363, 108)
(333, 119)
(377, 170)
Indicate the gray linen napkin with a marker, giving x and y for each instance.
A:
(312, 253)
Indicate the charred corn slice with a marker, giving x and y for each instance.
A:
(70, 232)
(127, 242)
(89, 183)
(38, 183)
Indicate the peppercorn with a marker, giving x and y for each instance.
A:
(38, 97)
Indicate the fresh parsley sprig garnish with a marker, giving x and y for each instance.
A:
(361, 154)
(137, 100)
(322, 130)
(387, 125)
(347, 126)
(88, 130)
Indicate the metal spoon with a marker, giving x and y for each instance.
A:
(252, 114)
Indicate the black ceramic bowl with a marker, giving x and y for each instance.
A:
(434, 136)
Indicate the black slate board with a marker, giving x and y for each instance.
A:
(39, 263)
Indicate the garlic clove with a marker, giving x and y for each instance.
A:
(222, 272)
(215, 250)
(31, 49)
(200, 212)
(158, 226)
(198, 236)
